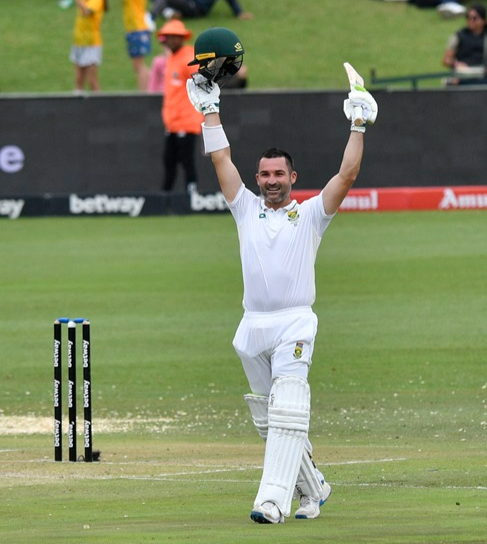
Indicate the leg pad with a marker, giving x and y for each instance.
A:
(288, 423)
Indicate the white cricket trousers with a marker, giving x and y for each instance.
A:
(275, 344)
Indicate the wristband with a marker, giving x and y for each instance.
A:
(212, 107)
(214, 138)
(357, 128)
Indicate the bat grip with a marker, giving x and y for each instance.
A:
(358, 116)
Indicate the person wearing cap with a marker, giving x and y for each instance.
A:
(181, 122)
(138, 36)
(193, 9)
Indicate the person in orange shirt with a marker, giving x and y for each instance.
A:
(87, 48)
(138, 36)
(181, 121)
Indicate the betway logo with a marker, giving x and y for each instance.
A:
(103, 204)
(11, 208)
(208, 203)
(368, 201)
(451, 201)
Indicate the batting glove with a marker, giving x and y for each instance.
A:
(361, 98)
(203, 94)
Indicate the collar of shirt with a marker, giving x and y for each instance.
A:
(287, 208)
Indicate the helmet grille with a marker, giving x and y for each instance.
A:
(219, 70)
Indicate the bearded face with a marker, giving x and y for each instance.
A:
(275, 181)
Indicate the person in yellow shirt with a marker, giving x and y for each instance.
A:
(87, 48)
(138, 36)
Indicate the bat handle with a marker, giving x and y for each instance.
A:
(358, 116)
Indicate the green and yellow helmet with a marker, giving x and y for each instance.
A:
(219, 53)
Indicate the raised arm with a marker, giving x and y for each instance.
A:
(337, 188)
(339, 185)
(206, 99)
(227, 173)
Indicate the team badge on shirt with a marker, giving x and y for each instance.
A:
(298, 350)
(293, 217)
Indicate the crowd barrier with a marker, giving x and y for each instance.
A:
(101, 154)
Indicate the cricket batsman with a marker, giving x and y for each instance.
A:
(279, 240)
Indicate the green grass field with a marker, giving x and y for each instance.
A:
(288, 45)
(398, 382)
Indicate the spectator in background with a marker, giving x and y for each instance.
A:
(87, 48)
(193, 9)
(138, 36)
(466, 51)
(182, 123)
(157, 74)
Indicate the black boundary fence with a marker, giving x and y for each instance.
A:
(91, 154)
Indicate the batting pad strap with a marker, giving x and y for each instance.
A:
(258, 406)
(308, 482)
(214, 138)
(289, 419)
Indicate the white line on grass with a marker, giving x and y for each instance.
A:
(172, 475)
(163, 478)
(363, 462)
(171, 478)
(406, 486)
(193, 465)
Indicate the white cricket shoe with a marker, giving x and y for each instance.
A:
(267, 512)
(310, 508)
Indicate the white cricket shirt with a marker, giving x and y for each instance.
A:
(278, 250)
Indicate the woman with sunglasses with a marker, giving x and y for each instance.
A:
(466, 50)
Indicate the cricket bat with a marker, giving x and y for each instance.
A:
(354, 78)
